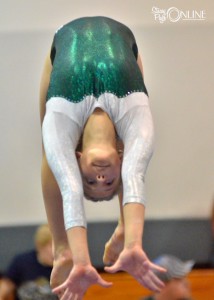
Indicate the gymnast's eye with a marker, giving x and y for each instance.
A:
(90, 181)
(109, 182)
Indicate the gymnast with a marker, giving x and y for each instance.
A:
(92, 97)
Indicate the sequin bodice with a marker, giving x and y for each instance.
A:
(91, 56)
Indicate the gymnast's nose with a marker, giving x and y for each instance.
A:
(100, 178)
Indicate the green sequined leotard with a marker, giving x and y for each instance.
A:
(91, 56)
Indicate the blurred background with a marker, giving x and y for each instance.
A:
(178, 64)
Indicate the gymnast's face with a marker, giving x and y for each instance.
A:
(100, 171)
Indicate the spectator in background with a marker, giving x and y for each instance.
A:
(176, 283)
(33, 265)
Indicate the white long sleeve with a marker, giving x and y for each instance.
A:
(137, 132)
(60, 137)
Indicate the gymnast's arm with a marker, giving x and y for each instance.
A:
(136, 131)
(138, 137)
(59, 144)
(60, 137)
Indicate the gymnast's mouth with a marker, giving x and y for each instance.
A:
(101, 165)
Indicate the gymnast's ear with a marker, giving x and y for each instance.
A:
(78, 155)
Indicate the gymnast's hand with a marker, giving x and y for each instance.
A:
(78, 281)
(135, 262)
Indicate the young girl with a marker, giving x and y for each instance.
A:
(92, 89)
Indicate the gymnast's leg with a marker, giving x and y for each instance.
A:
(53, 200)
(115, 244)
(53, 205)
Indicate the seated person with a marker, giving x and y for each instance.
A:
(29, 266)
(176, 284)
